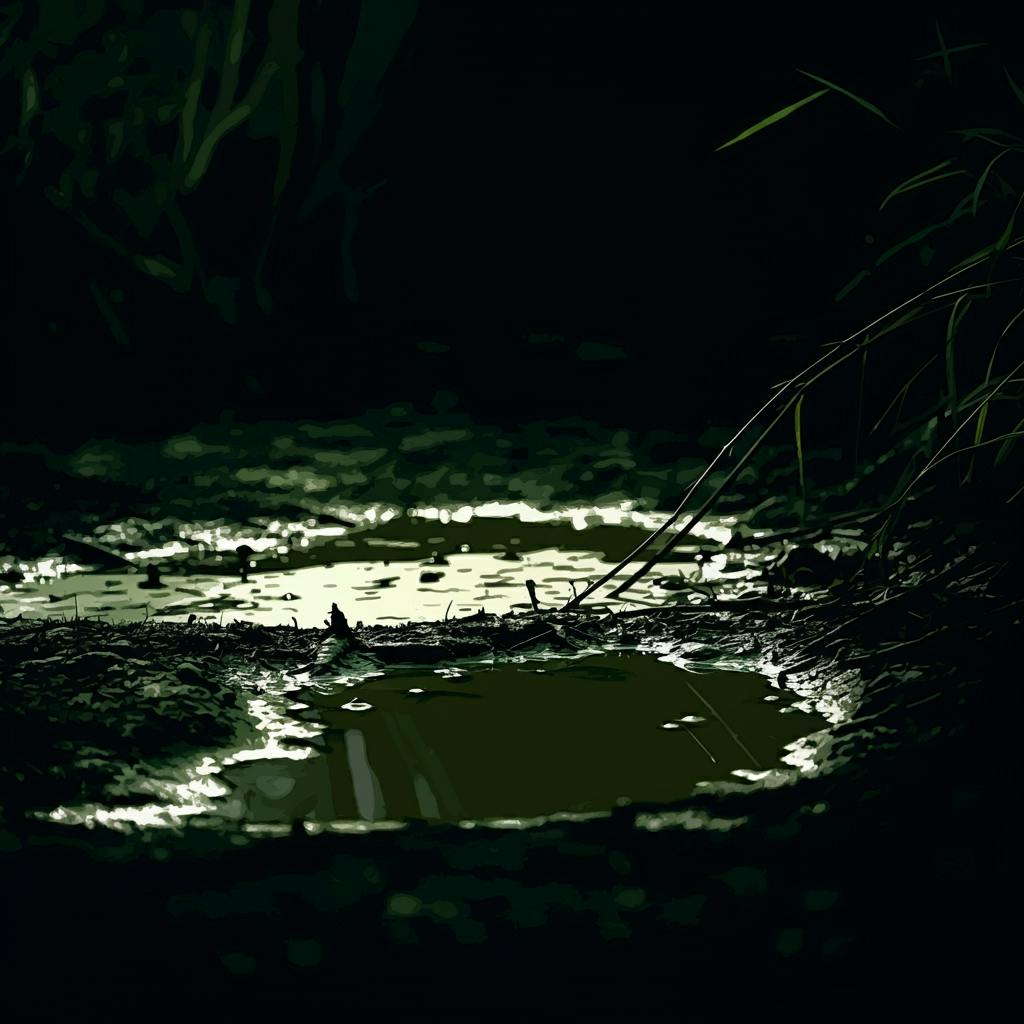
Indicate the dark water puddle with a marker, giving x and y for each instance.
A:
(507, 743)
(525, 740)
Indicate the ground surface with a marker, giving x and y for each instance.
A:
(893, 857)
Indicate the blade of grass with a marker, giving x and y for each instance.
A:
(984, 286)
(983, 415)
(1003, 240)
(908, 304)
(722, 452)
(949, 440)
(918, 236)
(917, 177)
(909, 186)
(1006, 446)
(877, 543)
(987, 134)
(190, 106)
(978, 432)
(695, 518)
(983, 393)
(675, 539)
(983, 177)
(1011, 436)
(231, 68)
(952, 49)
(981, 253)
(798, 432)
(903, 392)
(1006, 190)
(1017, 91)
(947, 64)
(952, 325)
(772, 119)
(1016, 316)
(850, 95)
(850, 285)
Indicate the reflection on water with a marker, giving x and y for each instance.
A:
(506, 743)
(385, 566)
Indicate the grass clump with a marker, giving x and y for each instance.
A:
(937, 373)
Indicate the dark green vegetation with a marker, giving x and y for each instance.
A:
(124, 108)
(951, 343)
(505, 187)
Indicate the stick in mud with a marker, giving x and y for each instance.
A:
(531, 588)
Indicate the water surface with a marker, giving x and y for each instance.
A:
(388, 565)
(505, 741)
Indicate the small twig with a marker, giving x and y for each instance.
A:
(531, 589)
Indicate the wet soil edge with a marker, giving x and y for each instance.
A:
(896, 855)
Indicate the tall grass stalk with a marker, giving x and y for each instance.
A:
(817, 369)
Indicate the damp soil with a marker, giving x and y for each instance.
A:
(878, 841)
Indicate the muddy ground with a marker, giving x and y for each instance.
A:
(891, 856)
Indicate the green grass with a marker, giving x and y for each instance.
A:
(979, 270)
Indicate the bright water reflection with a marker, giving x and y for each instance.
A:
(387, 567)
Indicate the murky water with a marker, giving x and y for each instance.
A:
(385, 566)
(501, 742)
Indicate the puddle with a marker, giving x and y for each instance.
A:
(386, 566)
(505, 743)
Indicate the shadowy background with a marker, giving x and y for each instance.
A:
(526, 219)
